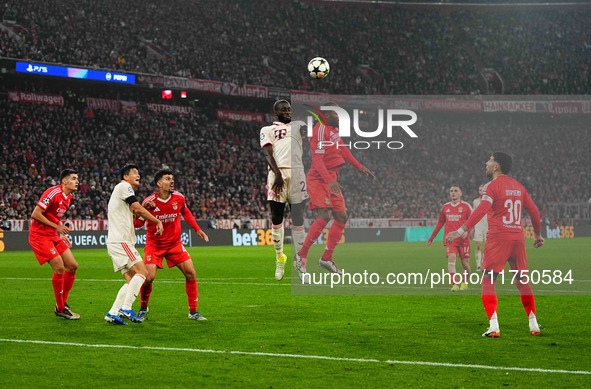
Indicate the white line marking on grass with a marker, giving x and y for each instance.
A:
(321, 357)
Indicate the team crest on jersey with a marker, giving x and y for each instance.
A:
(327, 200)
(460, 209)
(53, 251)
(46, 201)
(175, 205)
(148, 258)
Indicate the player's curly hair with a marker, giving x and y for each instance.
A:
(161, 173)
(504, 160)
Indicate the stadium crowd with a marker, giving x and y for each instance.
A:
(407, 51)
(222, 173)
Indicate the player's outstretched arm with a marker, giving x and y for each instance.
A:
(143, 212)
(190, 219)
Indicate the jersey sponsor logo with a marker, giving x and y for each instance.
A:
(46, 201)
(453, 218)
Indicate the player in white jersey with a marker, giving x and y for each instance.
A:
(286, 181)
(480, 231)
(121, 244)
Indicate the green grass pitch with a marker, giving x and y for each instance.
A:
(365, 336)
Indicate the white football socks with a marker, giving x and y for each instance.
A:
(278, 234)
(533, 322)
(299, 236)
(119, 300)
(494, 323)
(133, 290)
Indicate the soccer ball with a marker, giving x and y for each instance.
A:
(318, 67)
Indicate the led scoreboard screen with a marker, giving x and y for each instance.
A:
(62, 71)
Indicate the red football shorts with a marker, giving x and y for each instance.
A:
(460, 251)
(498, 252)
(321, 196)
(174, 255)
(46, 248)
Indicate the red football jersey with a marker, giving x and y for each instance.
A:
(453, 217)
(508, 198)
(168, 212)
(323, 143)
(55, 203)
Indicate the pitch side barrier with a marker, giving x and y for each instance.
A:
(19, 240)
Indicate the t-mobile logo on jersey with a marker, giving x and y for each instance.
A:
(394, 118)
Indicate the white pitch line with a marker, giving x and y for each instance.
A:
(319, 357)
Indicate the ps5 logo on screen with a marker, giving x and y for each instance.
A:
(392, 121)
(108, 76)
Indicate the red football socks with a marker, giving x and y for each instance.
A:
(313, 234)
(452, 278)
(527, 297)
(58, 290)
(68, 283)
(334, 236)
(192, 294)
(489, 296)
(145, 294)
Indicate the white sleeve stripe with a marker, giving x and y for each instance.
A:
(42, 205)
(487, 198)
(53, 193)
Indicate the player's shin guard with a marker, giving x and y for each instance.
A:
(145, 294)
(527, 297)
(133, 290)
(119, 300)
(298, 234)
(192, 294)
(334, 236)
(489, 297)
(278, 234)
(313, 234)
(58, 290)
(68, 283)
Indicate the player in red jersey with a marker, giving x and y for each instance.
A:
(167, 205)
(329, 154)
(503, 200)
(50, 243)
(453, 215)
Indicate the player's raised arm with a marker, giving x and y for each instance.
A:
(348, 156)
(143, 212)
(474, 218)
